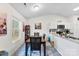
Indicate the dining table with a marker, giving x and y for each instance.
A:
(27, 43)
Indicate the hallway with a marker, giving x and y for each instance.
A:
(50, 51)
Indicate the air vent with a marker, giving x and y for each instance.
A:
(59, 21)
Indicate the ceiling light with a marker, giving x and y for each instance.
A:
(36, 7)
(76, 9)
(28, 5)
(33, 6)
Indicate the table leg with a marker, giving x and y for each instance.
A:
(44, 48)
(26, 49)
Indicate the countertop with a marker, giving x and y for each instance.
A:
(66, 46)
(67, 38)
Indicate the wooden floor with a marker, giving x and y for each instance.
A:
(50, 51)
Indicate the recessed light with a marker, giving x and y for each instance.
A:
(76, 9)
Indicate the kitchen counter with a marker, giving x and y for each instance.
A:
(70, 39)
(66, 46)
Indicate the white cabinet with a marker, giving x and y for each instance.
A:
(66, 47)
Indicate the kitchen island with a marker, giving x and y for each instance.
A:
(66, 46)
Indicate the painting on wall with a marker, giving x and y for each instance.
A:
(38, 26)
(3, 25)
(15, 29)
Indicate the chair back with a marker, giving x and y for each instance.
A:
(44, 35)
(35, 43)
(36, 34)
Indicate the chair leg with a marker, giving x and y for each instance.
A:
(30, 53)
(40, 52)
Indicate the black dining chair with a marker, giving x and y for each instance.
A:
(36, 34)
(35, 44)
(44, 35)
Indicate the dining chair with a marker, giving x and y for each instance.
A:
(35, 43)
(44, 35)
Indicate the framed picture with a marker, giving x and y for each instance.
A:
(3, 25)
(15, 28)
(38, 26)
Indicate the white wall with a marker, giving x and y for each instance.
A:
(49, 21)
(74, 25)
(6, 41)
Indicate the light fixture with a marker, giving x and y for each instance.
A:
(27, 5)
(35, 7)
(76, 9)
(32, 6)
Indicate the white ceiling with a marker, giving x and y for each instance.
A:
(63, 9)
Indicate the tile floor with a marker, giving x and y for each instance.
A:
(50, 51)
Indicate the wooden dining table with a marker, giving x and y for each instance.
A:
(27, 43)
